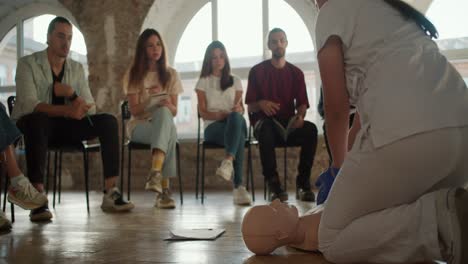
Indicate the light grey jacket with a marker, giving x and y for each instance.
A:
(34, 83)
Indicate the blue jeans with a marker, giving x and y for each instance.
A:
(231, 133)
(9, 133)
(161, 134)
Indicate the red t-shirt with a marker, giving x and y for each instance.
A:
(285, 86)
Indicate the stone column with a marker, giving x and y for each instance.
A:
(110, 29)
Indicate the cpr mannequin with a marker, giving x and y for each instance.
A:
(267, 227)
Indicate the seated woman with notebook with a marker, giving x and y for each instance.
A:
(152, 89)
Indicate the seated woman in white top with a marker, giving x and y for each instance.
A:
(152, 89)
(397, 196)
(220, 105)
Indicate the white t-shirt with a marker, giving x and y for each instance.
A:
(216, 99)
(395, 74)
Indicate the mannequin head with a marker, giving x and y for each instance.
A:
(267, 227)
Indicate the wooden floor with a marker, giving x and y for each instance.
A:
(137, 237)
(74, 236)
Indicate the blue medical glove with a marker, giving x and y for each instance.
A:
(324, 183)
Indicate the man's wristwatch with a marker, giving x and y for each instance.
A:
(73, 97)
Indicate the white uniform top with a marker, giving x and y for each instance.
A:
(396, 76)
(216, 99)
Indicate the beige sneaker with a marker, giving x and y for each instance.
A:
(112, 201)
(164, 200)
(153, 181)
(5, 224)
(25, 195)
(241, 196)
(225, 170)
(452, 221)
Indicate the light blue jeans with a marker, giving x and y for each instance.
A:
(161, 134)
(230, 133)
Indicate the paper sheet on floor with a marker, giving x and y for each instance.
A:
(195, 234)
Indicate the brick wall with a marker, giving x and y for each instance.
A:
(73, 175)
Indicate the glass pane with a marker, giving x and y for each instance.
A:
(462, 67)
(300, 45)
(8, 58)
(240, 30)
(186, 119)
(7, 65)
(192, 45)
(452, 28)
(35, 39)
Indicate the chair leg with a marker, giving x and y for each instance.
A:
(55, 177)
(60, 177)
(12, 212)
(86, 174)
(122, 159)
(250, 164)
(129, 171)
(198, 170)
(179, 174)
(5, 191)
(46, 176)
(285, 169)
(203, 176)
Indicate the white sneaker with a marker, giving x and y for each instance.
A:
(241, 196)
(225, 170)
(5, 224)
(25, 195)
(153, 181)
(452, 221)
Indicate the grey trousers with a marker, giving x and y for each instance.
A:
(381, 208)
(161, 134)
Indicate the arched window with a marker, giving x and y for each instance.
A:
(449, 16)
(8, 51)
(240, 25)
(34, 38)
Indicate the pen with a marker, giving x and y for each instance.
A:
(89, 119)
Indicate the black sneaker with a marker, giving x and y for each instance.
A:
(41, 214)
(304, 194)
(113, 201)
(303, 189)
(276, 192)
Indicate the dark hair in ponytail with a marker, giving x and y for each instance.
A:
(410, 12)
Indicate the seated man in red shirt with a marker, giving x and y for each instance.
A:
(276, 93)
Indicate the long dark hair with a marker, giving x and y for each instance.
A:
(410, 12)
(140, 61)
(207, 69)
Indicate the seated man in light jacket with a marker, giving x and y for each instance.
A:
(54, 106)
